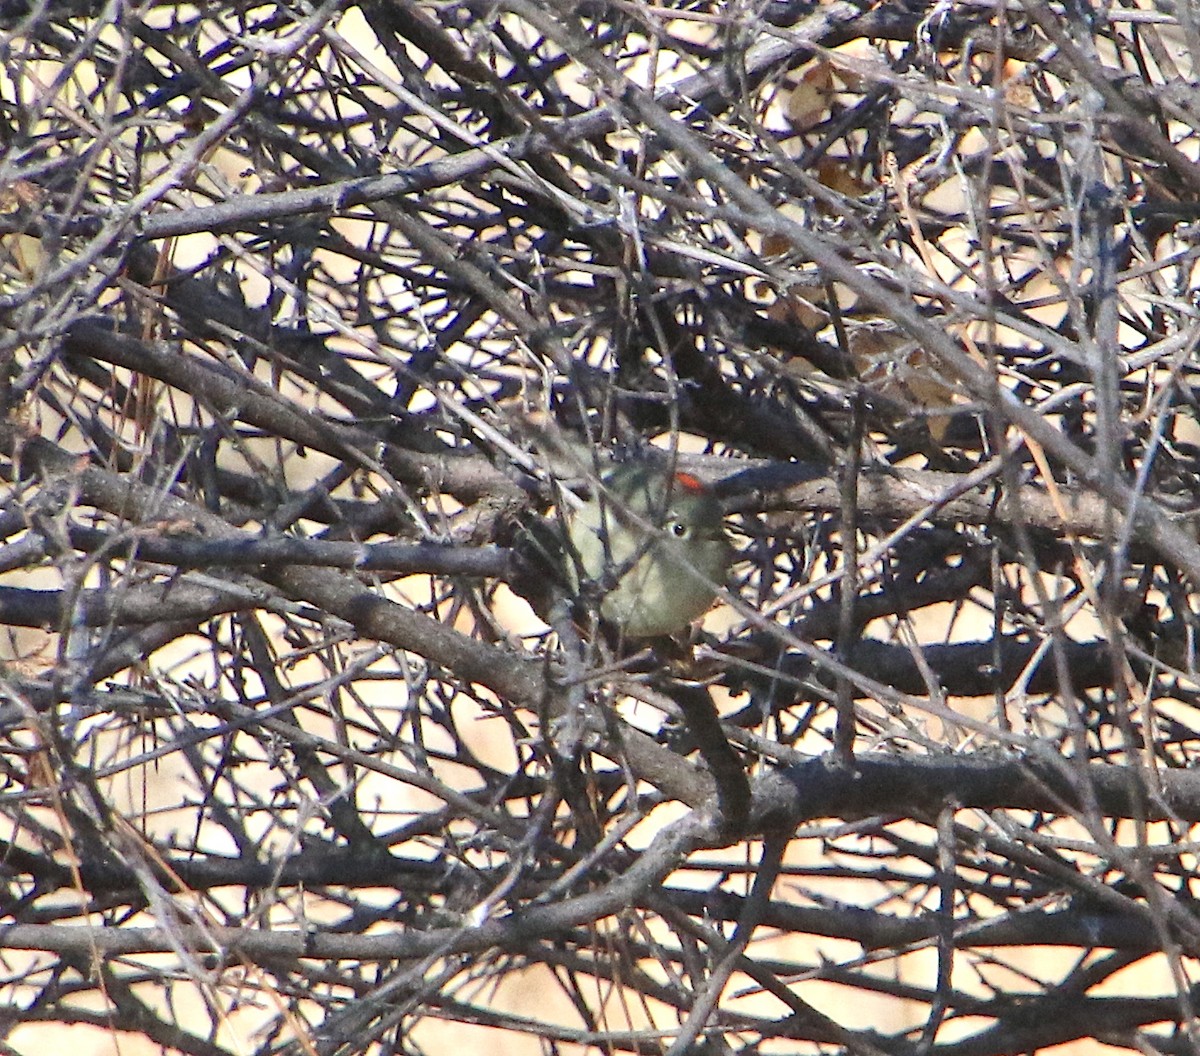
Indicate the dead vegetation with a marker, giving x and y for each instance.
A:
(305, 309)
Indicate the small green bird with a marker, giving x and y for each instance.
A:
(655, 539)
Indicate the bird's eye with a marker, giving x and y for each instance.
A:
(679, 530)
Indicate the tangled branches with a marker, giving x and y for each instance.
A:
(310, 312)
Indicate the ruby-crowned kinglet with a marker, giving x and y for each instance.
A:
(656, 540)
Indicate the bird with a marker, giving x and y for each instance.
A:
(652, 541)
